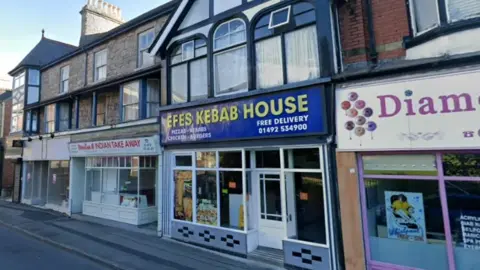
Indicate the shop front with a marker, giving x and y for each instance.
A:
(249, 174)
(46, 174)
(417, 148)
(116, 179)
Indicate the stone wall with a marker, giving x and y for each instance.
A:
(85, 112)
(51, 77)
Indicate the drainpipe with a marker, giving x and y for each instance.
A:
(373, 54)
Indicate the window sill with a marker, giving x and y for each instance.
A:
(95, 129)
(440, 31)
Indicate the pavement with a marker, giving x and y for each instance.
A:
(20, 252)
(115, 245)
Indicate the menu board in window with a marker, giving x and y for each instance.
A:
(405, 216)
(470, 231)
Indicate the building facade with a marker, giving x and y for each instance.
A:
(407, 156)
(247, 130)
(88, 118)
(7, 170)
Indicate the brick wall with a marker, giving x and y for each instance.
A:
(7, 117)
(390, 19)
(8, 171)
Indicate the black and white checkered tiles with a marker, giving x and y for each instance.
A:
(206, 236)
(230, 242)
(185, 232)
(306, 256)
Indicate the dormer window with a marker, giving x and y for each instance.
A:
(230, 58)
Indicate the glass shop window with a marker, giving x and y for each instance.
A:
(405, 218)
(231, 200)
(207, 206)
(183, 199)
(59, 183)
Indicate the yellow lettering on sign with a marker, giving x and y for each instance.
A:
(181, 120)
(261, 109)
(199, 117)
(169, 121)
(233, 113)
(290, 104)
(248, 111)
(214, 115)
(188, 119)
(303, 103)
(224, 115)
(207, 116)
(279, 109)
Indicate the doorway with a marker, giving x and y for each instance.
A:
(271, 225)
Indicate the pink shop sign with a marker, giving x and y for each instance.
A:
(439, 112)
(134, 146)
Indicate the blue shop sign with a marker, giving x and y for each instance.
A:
(283, 114)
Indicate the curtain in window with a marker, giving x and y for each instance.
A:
(269, 62)
(230, 69)
(153, 97)
(425, 13)
(131, 94)
(64, 116)
(302, 55)
(463, 9)
(179, 84)
(198, 79)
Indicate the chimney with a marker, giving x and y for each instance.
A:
(98, 17)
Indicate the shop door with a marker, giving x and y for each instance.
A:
(271, 228)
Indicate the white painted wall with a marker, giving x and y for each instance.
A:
(47, 149)
(457, 43)
(220, 6)
(199, 11)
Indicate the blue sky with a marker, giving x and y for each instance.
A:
(21, 22)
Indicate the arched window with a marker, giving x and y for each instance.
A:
(230, 57)
(188, 68)
(286, 47)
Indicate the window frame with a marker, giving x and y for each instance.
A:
(179, 45)
(138, 103)
(97, 68)
(441, 178)
(414, 20)
(47, 121)
(30, 128)
(228, 48)
(59, 121)
(140, 51)
(19, 84)
(281, 31)
(289, 10)
(62, 80)
(148, 102)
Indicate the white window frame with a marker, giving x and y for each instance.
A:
(184, 56)
(229, 34)
(414, 21)
(63, 80)
(271, 25)
(148, 102)
(48, 118)
(96, 68)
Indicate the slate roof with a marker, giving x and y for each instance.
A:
(46, 51)
(6, 95)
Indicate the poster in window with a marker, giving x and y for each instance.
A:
(405, 216)
(470, 231)
(183, 195)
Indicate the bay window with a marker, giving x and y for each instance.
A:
(33, 89)
(230, 67)
(189, 76)
(18, 99)
(428, 14)
(286, 46)
(131, 101)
